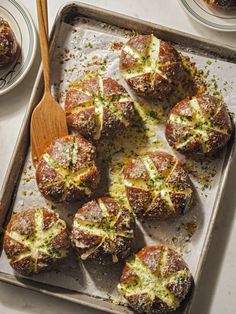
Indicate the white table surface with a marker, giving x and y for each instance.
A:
(217, 288)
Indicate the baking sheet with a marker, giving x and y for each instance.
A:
(84, 47)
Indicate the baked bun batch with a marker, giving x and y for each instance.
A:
(157, 187)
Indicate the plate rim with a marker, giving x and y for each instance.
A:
(203, 21)
(18, 4)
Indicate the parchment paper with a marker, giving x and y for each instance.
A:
(87, 46)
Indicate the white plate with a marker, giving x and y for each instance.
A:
(22, 25)
(216, 19)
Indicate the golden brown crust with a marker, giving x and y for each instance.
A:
(98, 107)
(8, 44)
(157, 186)
(35, 239)
(151, 67)
(67, 171)
(199, 126)
(222, 4)
(103, 230)
(156, 280)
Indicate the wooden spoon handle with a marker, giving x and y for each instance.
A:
(44, 47)
(45, 15)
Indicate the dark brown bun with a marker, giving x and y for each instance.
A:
(98, 108)
(35, 239)
(157, 186)
(67, 171)
(156, 280)
(8, 44)
(151, 67)
(199, 126)
(103, 230)
(222, 4)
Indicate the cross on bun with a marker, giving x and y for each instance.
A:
(156, 280)
(157, 186)
(8, 44)
(98, 107)
(199, 126)
(103, 230)
(151, 67)
(67, 171)
(35, 239)
(222, 4)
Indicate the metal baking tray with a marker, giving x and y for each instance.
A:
(10, 186)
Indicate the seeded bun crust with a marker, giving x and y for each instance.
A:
(35, 239)
(103, 230)
(67, 171)
(98, 108)
(8, 44)
(199, 126)
(157, 186)
(151, 67)
(222, 4)
(156, 280)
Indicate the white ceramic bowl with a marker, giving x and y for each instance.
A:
(216, 19)
(22, 25)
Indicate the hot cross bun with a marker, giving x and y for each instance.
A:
(67, 171)
(98, 108)
(222, 4)
(103, 230)
(151, 67)
(156, 280)
(199, 126)
(157, 186)
(8, 43)
(35, 239)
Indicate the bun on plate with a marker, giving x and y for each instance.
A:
(222, 4)
(8, 43)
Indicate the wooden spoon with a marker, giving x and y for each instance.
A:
(45, 15)
(48, 121)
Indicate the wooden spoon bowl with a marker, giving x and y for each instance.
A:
(48, 121)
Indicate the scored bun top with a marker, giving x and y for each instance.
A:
(67, 171)
(156, 280)
(98, 107)
(150, 66)
(157, 186)
(199, 126)
(103, 230)
(34, 239)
